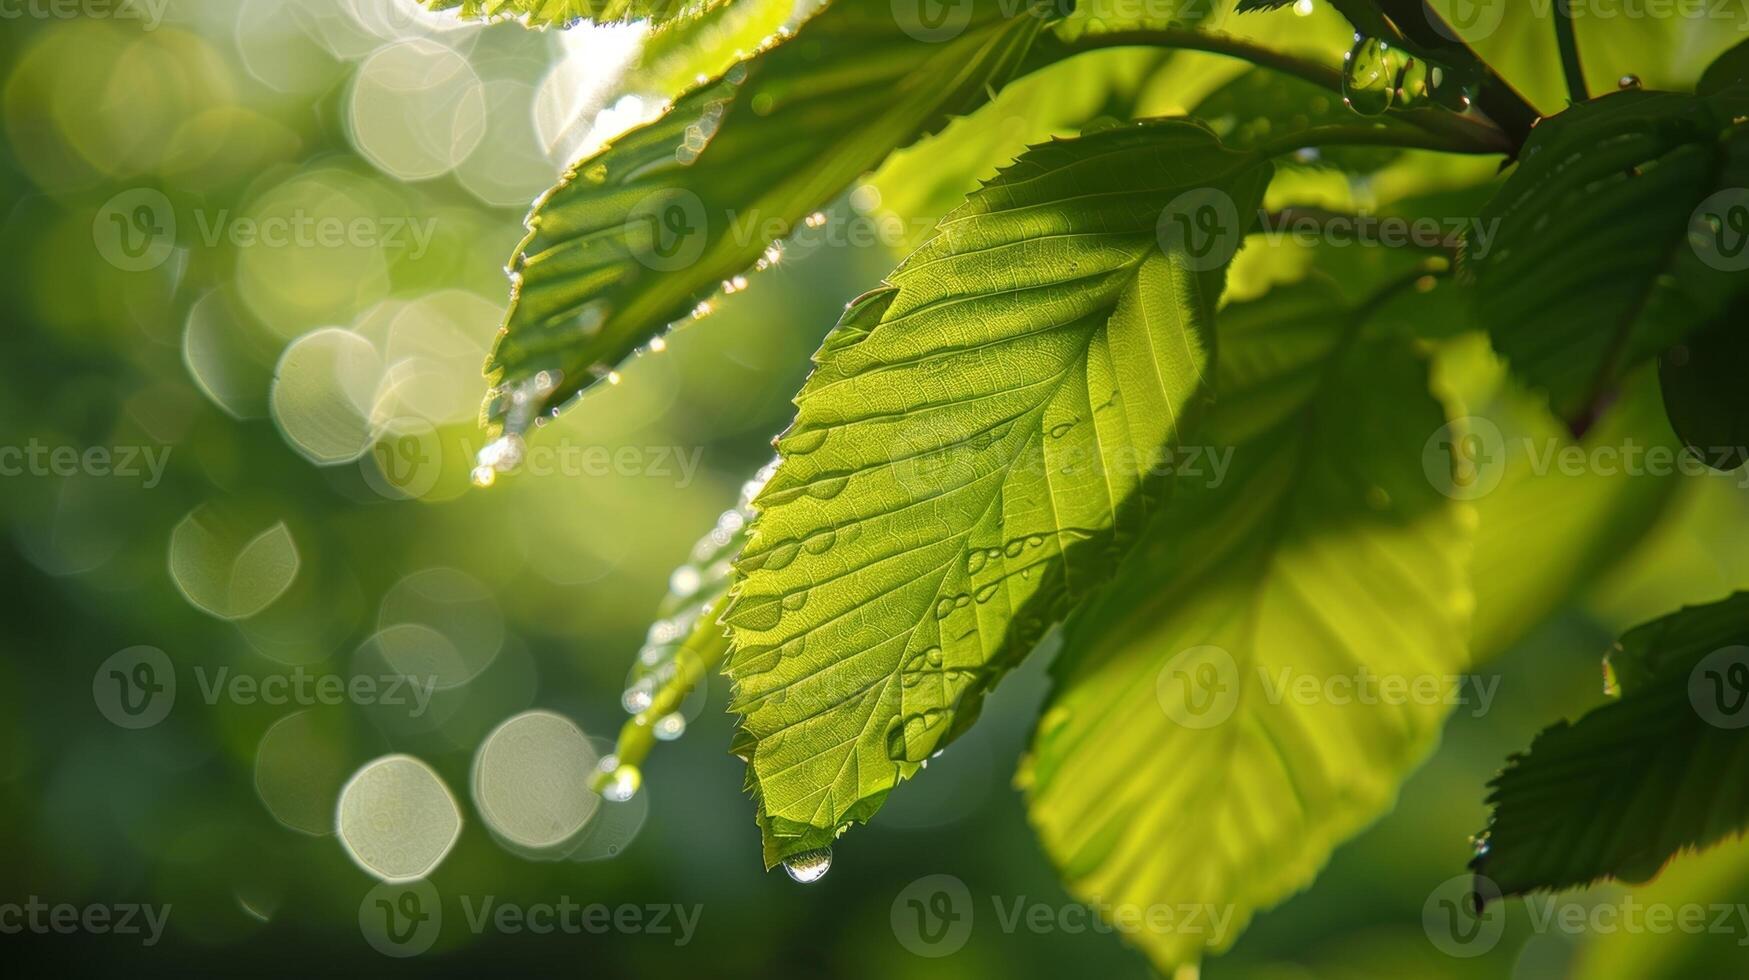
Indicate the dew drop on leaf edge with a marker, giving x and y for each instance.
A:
(809, 866)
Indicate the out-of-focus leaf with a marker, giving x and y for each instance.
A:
(980, 439)
(1662, 52)
(564, 13)
(1712, 881)
(1704, 393)
(1597, 262)
(1175, 763)
(1728, 70)
(1663, 770)
(639, 234)
(1545, 533)
(686, 642)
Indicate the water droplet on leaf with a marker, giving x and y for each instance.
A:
(809, 866)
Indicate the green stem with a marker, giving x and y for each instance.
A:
(1373, 134)
(1569, 42)
(693, 662)
(1476, 135)
(1210, 43)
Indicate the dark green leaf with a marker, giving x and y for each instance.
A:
(1704, 391)
(1728, 70)
(1622, 790)
(1599, 258)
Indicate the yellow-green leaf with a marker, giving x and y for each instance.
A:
(1182, 760)
(981, 438)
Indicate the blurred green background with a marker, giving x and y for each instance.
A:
(261, 242)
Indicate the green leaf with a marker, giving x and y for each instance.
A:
(1633, 783)
(1544, 534)
(977, 444)
(1704, 394)
(930, 178)
(676, 56)
(1662, 52)
(1104, 16)
(1174, 763)
(564, 13)
(1727, 71)
(1597, 262)
(639, 234)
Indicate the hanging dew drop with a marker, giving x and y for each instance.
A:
(1629, 82)
(809, 866)
(1370, 73)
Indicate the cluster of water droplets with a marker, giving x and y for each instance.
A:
(1378, 76)
(505, 453)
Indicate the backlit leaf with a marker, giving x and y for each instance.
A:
(980, 439)
(641, 233)
(1178, 761)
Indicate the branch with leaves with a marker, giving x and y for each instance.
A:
(982, 451)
